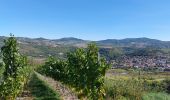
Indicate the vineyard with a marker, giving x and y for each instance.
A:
(83, 71)
(16, 71)
(83, 75)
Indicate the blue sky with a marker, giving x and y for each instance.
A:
(86, 19)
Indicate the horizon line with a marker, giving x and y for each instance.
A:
(86, 39)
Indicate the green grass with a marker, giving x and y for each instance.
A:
(156, 96)
(133, 89)
(1, 73)
(1, 70)
(41, 91)
(123, 89)
(117, 74)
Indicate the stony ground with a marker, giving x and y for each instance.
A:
(26, 95)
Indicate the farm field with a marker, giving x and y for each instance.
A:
(135, 73)
(156, 96)
(128, 84)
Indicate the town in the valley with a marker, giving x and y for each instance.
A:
(160, 62)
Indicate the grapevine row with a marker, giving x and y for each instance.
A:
(82, 70)
(16, 70)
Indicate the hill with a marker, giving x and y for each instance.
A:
(41, 47)
(135, 42)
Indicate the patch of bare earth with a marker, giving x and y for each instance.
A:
(26, 95)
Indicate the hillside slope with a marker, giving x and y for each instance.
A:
(41, 47)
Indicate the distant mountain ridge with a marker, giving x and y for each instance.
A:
(136, 42)
(41, 47)
(71, 41)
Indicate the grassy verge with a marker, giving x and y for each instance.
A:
(137, 89)
(156, 96)
(1, 70)
(41, 91)
(123, 89)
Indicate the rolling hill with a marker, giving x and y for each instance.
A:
(135, 42)
(41, 47)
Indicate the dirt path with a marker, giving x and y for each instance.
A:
(26, 95)
(65, 92)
